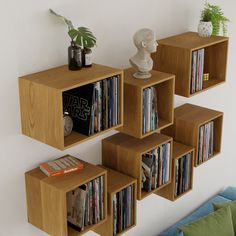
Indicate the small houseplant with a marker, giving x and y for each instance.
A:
(81, 38)
(212, 20)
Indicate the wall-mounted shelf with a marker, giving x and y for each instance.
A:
(124, 154)
(47, 198)
(42, 104)
(174, 55)
(185, 178)
(188, 119)
(117, 182)
(133, 101)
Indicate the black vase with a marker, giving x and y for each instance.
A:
(74, 57)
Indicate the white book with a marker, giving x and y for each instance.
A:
(198, 70)
(167, 162)
(194, 69)
(202, 67)
(176, 176)
(148, 128)
(102, 197)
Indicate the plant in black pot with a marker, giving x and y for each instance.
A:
(212, 21)
(82, 40)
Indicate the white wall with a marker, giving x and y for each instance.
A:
(32, 40)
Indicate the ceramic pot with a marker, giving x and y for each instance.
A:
(205, 29)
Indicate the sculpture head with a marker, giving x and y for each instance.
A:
(144, 39)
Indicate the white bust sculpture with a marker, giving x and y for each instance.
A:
(145, 41)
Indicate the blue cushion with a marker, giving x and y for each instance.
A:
(203, 210)
(230, 193)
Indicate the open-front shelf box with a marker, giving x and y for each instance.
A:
(42, 103)
(174, 55)
(133, 101)
(179, 150)
(47, 203)
(124, 154)
(188, 119)
(116, 182)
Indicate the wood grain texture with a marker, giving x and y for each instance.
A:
(116, 182)
(179, 150)
(191, 41)
(42, 108)
(46, 198)
(63, 79)
(133, 101)
(174, 55)
(41, 112)
(127, 154)
(187, 120)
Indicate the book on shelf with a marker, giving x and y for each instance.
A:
(94, 107)
(78, 102)
(156, 167)
(183, 167)
(85, 204)
(123, 214)
(197, 74)
(206, 141)
(61, 166)
(150, 112)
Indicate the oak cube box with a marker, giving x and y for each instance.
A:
(41, 102)
(188, 119)
(117, 182)
(174, 55)
(124, 154)
(47, 201)
(169, 192)
(133, 101)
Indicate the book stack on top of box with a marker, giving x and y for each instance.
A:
(61, 166)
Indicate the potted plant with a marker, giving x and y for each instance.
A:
(212, 20)
(82, 40)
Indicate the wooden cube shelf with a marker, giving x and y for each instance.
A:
(179, 150)
(46, 198)
(42, 104)
(174, 55)
(124, 154)
(187, 120)
(116, 182)
(133, 101)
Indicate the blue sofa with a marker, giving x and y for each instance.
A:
(229, 194)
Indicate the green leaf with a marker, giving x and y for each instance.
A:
(65, 20)
(73, 33)
(85, 38)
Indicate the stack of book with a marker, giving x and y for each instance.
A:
(150, 113)
(123, 214)
(197, 70)
(85, 204)
(205, 145)
(156, 167)
(183, 168)
(94, 107)
(61, 166)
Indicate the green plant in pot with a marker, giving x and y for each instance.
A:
(82, 40)
(212, 21)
